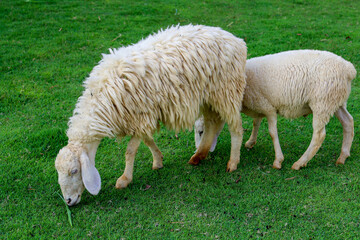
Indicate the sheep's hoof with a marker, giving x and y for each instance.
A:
(157, 166)
(122, 182)
(231, 167)
(277, 165)
(340, 161)
(296, 166)
(249, 144)
(195, 160)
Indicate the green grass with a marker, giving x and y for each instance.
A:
(47, 49)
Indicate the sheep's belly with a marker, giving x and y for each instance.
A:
(294, 111)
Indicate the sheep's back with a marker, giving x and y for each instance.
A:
(293, 82)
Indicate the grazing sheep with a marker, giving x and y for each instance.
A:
(294, 84)
(169, 77)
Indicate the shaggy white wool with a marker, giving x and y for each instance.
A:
(166, 77)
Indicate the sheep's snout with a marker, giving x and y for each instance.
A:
(73, 201)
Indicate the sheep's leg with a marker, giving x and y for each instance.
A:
(131, 150)
(236, 132)
(252, 140)
(212, 125)
(157, 155)
(347, 123)
(316, 141)
(272, 124)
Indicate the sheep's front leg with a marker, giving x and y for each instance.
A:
(131, 150)
(272, 124)
(347, 123)
(157, 155)
(316, 141)
(252, 140)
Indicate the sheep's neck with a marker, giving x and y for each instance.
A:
(90, 148)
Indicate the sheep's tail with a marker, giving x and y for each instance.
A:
(351, 71)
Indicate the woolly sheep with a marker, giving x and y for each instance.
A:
(169, 77)
(293, 84)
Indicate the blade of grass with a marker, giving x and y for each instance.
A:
(67, 209)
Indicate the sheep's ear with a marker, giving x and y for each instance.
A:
(90, 175)
(213, 145)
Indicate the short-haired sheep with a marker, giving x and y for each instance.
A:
(294, 84)
(169, 77)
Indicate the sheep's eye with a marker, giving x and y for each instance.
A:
(201, 132)
(74, 171)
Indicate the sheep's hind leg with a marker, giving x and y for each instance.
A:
(347, 123)
(316, 141)
(272, 124)
(131, 150)
(157, 155)
(212, 125)
(252, 140)
(236, 132)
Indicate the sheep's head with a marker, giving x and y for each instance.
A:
(199, 131)
(76, 172)
(199, 128)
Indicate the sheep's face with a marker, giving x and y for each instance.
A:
(68, 166)
(199, 130)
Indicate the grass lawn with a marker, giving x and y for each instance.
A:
(48, 48)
